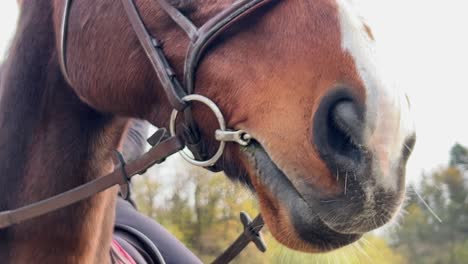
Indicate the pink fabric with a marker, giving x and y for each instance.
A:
(122, 257)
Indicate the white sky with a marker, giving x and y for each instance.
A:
(425, 42)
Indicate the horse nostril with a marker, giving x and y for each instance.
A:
(344, 118)
(339, 130)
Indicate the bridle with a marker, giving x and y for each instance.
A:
(180, 95)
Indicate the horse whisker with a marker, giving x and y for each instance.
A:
(408, 148)
(329, 201)
(427, 206)
(346, 183)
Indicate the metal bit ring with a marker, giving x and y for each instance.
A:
(222, 125)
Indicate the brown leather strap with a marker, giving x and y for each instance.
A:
(156, 155)
(153, 50)
(184, 23)
(210, 30)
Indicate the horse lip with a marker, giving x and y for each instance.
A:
(309, 225)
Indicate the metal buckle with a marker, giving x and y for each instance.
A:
(222, 134)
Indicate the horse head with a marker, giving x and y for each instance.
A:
(331, 134)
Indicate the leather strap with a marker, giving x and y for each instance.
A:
(210, 30)
(251, 234)
(184, 23)
(154, 52)
(118, 177)
(63, 41)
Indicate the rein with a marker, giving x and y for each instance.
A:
(180, 96)
(120, 176)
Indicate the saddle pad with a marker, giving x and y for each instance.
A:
(119, 255)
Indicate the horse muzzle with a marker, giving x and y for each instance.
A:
(372, 183)
(365, 193)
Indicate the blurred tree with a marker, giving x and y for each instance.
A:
(145, 190)
(459, 156)
(203, 209)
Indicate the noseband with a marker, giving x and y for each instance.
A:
(180, 96)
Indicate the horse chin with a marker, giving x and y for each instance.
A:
(291, 220)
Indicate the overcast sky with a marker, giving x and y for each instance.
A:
(426, 44)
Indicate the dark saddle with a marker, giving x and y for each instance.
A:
(144, 240)
(137, 245)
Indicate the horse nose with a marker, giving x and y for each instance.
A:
(339, 131)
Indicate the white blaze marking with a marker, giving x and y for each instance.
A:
(388, 118)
